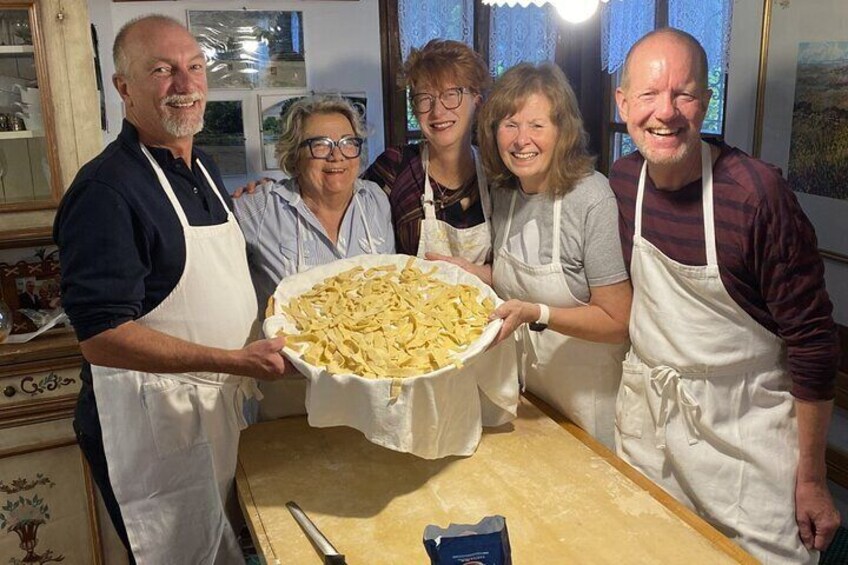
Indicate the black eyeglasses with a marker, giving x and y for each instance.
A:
(451, 99)
(322, 147)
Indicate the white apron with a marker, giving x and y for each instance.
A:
(287, 397)
(579, 378)
(171, 440)
(704, 408)
(473, 244)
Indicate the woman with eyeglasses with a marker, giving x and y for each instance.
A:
(437, 188)
(322, 213)
(438, 192)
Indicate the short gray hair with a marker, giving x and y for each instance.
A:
(119, 49)
(294, 122)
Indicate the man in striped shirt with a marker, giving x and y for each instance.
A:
(727, 391)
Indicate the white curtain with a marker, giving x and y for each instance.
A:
(422, 20)
(519, 34)
(625, 21)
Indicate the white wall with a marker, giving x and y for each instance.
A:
(342, 48)
(828, 214)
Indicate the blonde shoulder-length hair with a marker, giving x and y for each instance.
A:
(294, 123)
(571, 159)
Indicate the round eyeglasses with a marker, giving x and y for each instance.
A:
(350, 146)
(451, 99)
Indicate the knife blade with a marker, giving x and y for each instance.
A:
(319, 540)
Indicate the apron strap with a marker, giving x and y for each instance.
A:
(508, 224)
(214, 187)
(555, 243)
(665, 381)
(482, 185)
(166, 186)
(707, 202)
(427, 197)
(427, 202)
(555, 232)
(301, 262)
(640, 193)
(371, 245)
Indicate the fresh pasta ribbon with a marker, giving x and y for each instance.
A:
(383, 322)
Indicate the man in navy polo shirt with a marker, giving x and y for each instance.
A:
(155, 281)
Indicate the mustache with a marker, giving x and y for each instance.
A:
(182, 98)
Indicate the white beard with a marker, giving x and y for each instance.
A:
(181, 126)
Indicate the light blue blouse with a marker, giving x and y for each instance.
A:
(275, 220)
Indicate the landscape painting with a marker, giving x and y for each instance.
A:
(222, 136)
(818, 156)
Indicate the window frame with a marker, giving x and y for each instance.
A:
(577, 53)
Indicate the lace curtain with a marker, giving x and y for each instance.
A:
(420, 21)
(709, 21)
(519, 34)
(625, 21)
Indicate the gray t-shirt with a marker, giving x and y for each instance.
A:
(590, 248)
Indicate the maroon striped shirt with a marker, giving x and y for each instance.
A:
(767, 254)
(400, 172)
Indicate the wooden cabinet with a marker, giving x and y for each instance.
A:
(49, 109)
(49, 510)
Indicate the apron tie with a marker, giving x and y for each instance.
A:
(665, 382)
(246, 390)
(528, 354)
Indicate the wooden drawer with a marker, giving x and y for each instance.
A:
(37, 392)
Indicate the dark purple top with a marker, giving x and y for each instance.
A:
(400, 173)
(767, 254)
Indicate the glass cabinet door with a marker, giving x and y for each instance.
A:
(28, 166)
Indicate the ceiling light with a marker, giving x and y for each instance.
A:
(574, 11)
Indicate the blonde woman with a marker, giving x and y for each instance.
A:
(557, 260)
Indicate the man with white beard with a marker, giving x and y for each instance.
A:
(156, 283)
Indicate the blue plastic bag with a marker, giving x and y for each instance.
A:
(484, 543)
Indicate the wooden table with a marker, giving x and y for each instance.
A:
(565, 497)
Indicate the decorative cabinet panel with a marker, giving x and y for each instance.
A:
(46, 506)
(49, 508)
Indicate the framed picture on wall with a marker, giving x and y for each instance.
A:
(802, 110)
(251, 49)
(223, 136)
(29, 285)
(272, 108)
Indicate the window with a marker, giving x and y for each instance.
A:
(503, 35)
(625, 21)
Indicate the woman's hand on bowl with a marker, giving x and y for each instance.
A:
(514, 313)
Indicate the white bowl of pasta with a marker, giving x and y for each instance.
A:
(382, 317)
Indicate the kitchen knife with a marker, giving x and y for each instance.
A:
(319, 540)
